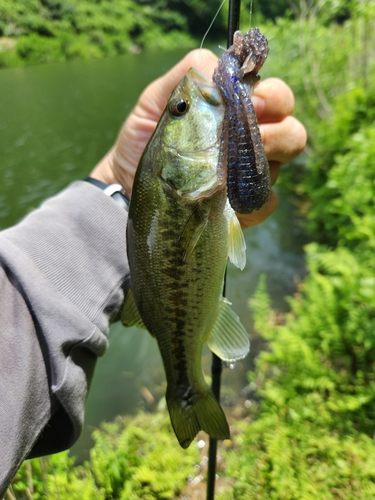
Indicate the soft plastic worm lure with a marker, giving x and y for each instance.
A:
(248, 178)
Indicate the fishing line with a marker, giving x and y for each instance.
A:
(212, 22)
(210, 26)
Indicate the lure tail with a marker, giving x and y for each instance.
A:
(200, 411)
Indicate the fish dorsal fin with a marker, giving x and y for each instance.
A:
(228, 339)
(236, 240)
(192, 230)
(130, 315)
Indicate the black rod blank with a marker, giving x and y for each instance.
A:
(216, 367)
(233, 19)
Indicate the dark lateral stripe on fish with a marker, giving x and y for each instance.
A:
(177, 301)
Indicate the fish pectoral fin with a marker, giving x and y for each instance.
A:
(193, 230)
(130, 315)
(236, 240)
(228, 339)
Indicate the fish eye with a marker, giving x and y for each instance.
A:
(179, 107)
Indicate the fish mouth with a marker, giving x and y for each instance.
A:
(197, 185)
(188, 193)
(210, 153)
(206, 87)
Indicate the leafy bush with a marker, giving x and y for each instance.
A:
(132, 458)
(52, 30)
(341, 179)
(283, 458)
(321, 363)
(36, 49)
(312, 418)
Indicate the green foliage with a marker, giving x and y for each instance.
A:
(36, 49)
(341, 176)
(322, 60)
(132, 459)
(284, 459)
(197, 15)
(52, 30)
(54, 477)
(271, 9)
(140, 460)
(321, 363)
(310, 433)
(331, 69)
(312, 419)
(335, 97)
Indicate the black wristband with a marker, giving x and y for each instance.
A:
(115, 191)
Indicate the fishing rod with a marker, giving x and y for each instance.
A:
(216, 367)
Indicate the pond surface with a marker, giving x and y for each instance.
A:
(56, 122)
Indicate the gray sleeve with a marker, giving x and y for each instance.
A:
(63, 278)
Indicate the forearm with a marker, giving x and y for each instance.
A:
(63, 275)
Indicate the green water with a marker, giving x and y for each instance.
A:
(56, 122)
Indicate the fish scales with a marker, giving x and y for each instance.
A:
(242, 149)
(179, 228)
(175, 302)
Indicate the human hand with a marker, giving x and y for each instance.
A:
(283, 136)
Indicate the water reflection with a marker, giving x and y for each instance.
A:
(58, 120)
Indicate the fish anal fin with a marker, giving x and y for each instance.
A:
(201, 412)
(236, 240)
(228, 339)
(130, 315)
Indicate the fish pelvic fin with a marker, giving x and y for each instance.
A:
(200, 411)
(228, 339)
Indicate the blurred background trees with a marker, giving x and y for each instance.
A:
(49, 30)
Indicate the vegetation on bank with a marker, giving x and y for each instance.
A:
(309, 430)
(52, 30)
(312, 425)
(131, 459)
(38, 31)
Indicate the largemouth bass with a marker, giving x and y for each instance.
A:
(181, 230)
(242, 149)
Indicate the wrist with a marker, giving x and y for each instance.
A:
(115, 191)
(105, 170)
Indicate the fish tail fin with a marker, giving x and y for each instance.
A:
(200, 412)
